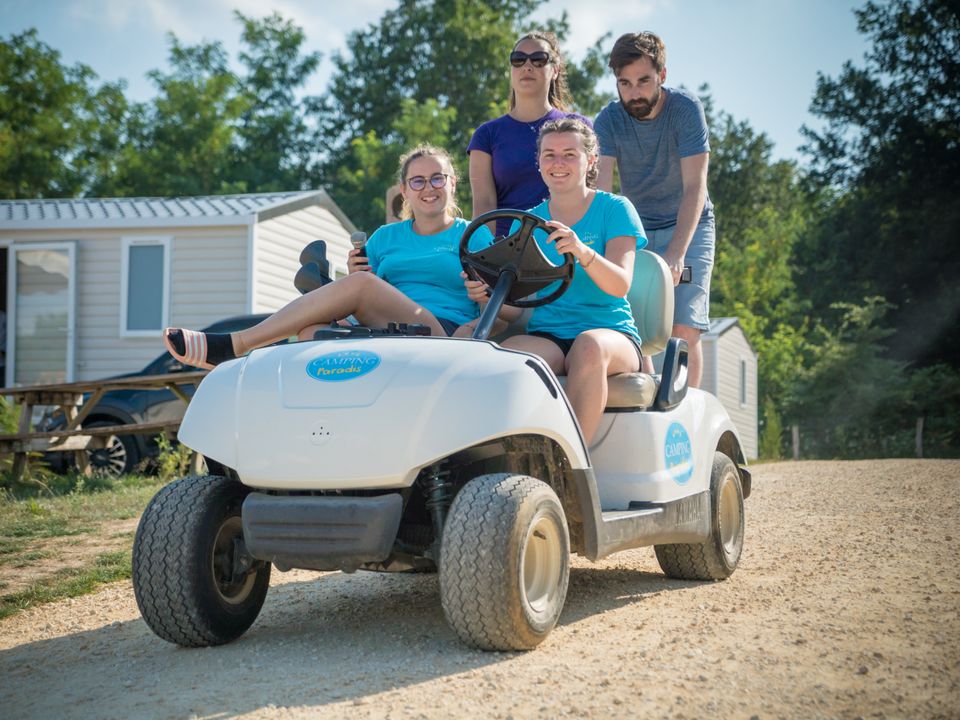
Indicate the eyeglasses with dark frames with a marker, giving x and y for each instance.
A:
(419, 182)
(538, 59)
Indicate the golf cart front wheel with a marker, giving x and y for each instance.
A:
(717, 558)
(505, 562)
(194, 582)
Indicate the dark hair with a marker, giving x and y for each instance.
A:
(558, 96)
(587, 136)
(634, 46)
(416, 153)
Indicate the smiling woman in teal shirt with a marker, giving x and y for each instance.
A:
(588, 333)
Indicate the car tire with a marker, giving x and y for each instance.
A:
(118, 457)
(186, 580)
(717, 558)
(504, 562)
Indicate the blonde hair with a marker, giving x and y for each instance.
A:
(587, 137)
(426, 150)
(557, 96)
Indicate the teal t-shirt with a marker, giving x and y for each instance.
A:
(426, 268)
(584, 306)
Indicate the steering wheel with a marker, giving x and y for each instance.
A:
(520, 253)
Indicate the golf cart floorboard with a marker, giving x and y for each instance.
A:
(686, 520)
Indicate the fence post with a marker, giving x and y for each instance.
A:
(919, 441)
(795, 432)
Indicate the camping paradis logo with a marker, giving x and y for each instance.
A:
(678, 453)
(343, 365)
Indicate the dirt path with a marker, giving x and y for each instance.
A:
(846, 604)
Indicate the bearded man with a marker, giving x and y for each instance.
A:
(657, 137)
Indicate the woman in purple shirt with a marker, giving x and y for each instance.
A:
(503, 152)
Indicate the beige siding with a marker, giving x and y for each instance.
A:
(721, 376)
(208, 282)
(208, 277)
(279, 241)
(734, 348)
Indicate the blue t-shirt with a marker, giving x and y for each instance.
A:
(648, 154)
(426, 268)
(512, 146)
(584, 306)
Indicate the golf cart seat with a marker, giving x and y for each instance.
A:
(651, 299)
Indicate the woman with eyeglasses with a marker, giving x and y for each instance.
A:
(408, 272)
(503, 152)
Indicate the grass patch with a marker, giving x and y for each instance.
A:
(108, 567)
(30, 525)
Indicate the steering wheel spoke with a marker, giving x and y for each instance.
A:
(519, 253)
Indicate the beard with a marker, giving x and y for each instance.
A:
(640, 109)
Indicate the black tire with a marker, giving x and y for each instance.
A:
(717, 558)
(183, 570)
(504, 562)
(119, 457)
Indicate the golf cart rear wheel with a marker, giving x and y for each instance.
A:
(504, 562)
(194, 583)
(717, 558)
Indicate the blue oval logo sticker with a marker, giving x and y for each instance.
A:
(343, 365)
(678, 453)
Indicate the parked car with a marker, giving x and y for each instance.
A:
(123, 453)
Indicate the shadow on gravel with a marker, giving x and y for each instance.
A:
(331, 639)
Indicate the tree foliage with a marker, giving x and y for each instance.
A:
(57, 127)
(887, 165)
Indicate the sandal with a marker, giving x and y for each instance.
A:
(198, 349)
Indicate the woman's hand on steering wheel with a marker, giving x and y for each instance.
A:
(567, 242)
(477, 290)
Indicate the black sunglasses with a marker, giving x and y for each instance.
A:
(538, 59)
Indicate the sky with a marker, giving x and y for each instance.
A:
(759, 57)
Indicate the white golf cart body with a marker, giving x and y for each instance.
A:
(341, 429)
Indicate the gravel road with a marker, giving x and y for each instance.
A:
(846, 604)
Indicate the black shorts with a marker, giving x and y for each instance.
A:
(566, 343)
(449, 326)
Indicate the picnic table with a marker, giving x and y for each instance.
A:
(76, 400)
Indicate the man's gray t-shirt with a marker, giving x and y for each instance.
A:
(648, 154)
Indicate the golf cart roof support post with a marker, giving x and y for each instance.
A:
(499, 295)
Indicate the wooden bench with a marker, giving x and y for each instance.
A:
(76, 401)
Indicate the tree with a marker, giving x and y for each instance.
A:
(57, 128)
(182, 142)
(762, 212)
(887, 169)
(843, 399)
(211, 131)
(274, 146)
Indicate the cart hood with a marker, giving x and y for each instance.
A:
(370, 413)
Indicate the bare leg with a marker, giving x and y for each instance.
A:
(595, 355)
(695, 360)
(371, 300)
(546, 349)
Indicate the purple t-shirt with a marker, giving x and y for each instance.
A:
(512, 145)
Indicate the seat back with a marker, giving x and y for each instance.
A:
(651, 299)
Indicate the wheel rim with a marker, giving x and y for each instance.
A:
(729, 516)
(229, 591)
(110, 460)
(542, 563)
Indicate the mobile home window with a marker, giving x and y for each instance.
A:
(743, 381)
(145, 285)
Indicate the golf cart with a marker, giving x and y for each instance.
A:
(392, 450)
